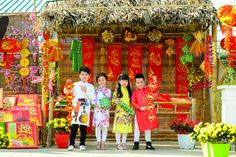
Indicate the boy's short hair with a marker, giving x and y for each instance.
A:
(139, 76)
(84, 69)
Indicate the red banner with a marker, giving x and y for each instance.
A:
(208, 67)
(114, 62)
(88, 55)
(134, 61)
(181, 78)
(155, 62)
(181, 81)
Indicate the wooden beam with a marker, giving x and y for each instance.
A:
(214, 75)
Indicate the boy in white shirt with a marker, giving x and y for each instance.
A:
(84, 96)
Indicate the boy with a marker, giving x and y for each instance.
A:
(84, 95)
(145, 118)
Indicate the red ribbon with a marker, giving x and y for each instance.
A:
(88, 55)
(155, 62)
(114, 62)
(134, 61)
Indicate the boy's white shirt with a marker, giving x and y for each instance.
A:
(89, 95)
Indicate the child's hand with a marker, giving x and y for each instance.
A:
(143, 108)
(117, 100)
(83, 88)
(69, 80)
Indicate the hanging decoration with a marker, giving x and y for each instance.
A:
(155, 62)
(102, 59)
(8, 47)
(106, 35)
(114, 62)
(195, 76)
(76, 54)
(88, 55)
(198, 47)
(227, 15)
(55, 49)
(129, 36)
(24, 61)
(170, 49)
(134, 61)
(69, 97)
(154, 35)
(207, 65)
(228, 44)
(186, 57)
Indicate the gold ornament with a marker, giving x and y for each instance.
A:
(25, 43)
(24, 62)
(24, 52)
(24, 71)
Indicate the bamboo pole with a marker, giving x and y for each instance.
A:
(44, 101)
(214, 75)
(50, 117)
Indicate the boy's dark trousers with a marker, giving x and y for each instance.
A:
(74, 130)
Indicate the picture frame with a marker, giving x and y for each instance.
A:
(9, 101)
(22, 134)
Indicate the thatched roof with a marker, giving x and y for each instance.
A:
(100, 13)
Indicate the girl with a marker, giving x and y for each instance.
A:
(123, 120)
(101, 114)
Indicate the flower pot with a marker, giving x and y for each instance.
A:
(219, 150)
(62, 140)
(206, 150)
(185, 142)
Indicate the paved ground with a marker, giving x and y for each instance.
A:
(164, 149)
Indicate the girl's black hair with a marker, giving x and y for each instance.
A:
(119, 93)
(101, 75)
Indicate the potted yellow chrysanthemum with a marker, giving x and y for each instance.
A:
(215, 137)
(4, 139)
(62, 128)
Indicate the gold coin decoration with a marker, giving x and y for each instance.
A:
(25, 43)
(24, 62)
(24, 71)
(24, 52)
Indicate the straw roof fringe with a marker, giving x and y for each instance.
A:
(100, 13)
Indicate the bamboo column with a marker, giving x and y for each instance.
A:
(214, 75)
(44, 101)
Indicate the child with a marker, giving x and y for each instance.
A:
(84, 95)
(101, 114)
(145, 118)
(122, 120)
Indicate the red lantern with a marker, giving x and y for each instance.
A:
(225, 15)
(232, 44)
(9, 45)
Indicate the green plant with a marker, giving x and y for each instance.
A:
(214, 133)
(183, 126)
(4, 139)
(230, 78)
(61, 125)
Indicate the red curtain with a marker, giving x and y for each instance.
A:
(88, 55)
(114, 62)
(134, 61)
(155, 62)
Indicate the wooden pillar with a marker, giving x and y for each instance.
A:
(214, 75)
(194, 109)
